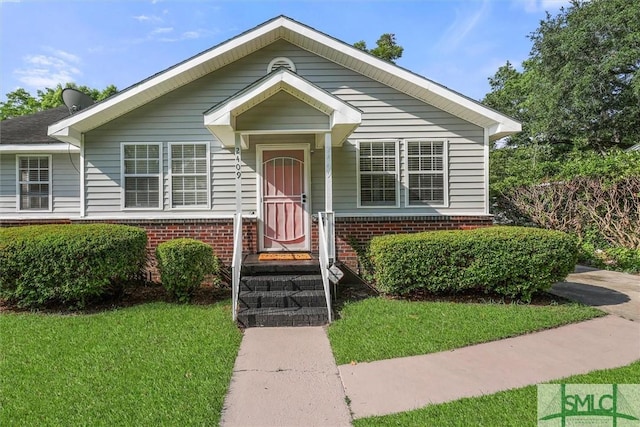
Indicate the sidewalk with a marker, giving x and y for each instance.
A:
(285, 377)
(288, 377)
(399, 385)
(610, 291)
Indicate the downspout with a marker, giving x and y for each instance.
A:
(82, 178)
(487, 197)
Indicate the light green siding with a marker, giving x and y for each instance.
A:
(387, 114)
(65, 189)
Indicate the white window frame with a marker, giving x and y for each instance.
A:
(19, 182)
(170, 167)
(397, 173)
(444, 172)
(159, 175)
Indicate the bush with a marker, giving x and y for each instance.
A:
(610, 258)
(67, 264)
(183, 265)
(511, 261)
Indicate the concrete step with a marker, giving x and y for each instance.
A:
(281, 299)
(289, 316)
(281, 267)
(284, 282)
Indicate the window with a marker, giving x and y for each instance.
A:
(426, 173)
(189, 166)
(142, 175)
(378, 173)
(34, 183)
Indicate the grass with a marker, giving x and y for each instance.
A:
(152, 364)
(380, 328)
(517, 407)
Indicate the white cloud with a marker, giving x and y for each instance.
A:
(464, 24)
(47, 70)
(148, 18)
(163, 30)
(187, 35)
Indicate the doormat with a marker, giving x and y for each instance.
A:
(284, 256)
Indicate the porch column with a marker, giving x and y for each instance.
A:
(328, 174)
(238, 172)
(328, 196)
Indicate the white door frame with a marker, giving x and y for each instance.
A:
(260, 149)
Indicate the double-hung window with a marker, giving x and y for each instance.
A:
(34, 183)
(189, 168)
(378, 166)
(142, 175)
(426, 173)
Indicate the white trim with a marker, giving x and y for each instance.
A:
(406, 214)
(170, 176)
(82, 183)
(445, 171)
(160, 178)
(398, 175)
(260, 149)
(305, 37)
(273, 62)
(343, 118)
(57, 147)
(50, 182)
(487, 199)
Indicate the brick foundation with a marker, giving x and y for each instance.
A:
(219, 232)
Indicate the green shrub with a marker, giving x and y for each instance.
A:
(67, 264)
(183, 265)
(610, 258)
(511, 261)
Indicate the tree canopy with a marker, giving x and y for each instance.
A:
(20, 102)
(386, 48)
(580, 86)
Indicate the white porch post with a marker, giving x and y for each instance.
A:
(328, 196)
(237, 154)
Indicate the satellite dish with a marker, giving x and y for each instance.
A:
(75, 100)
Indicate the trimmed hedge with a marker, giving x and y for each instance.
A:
(67, 264)
(183, 265)
(511, 261)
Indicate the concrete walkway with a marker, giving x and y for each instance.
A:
(288, 377)
(399, 385)
(285, 377)
(610, 291)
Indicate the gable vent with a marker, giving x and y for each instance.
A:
(281, 62)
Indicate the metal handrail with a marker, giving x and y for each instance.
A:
(323, 255)
(236, 263)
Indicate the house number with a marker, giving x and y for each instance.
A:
(238, 164)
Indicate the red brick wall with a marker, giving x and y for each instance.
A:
(364, 229)
(219, 232)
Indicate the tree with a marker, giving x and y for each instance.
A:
(386, 48)
(587, 60)
(580, 86)
(20, 102)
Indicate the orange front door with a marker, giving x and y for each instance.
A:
(284, 212)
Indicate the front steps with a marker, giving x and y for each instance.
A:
(281, 293)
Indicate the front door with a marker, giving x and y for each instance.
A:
(284, 201)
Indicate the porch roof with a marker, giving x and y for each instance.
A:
(343, 117)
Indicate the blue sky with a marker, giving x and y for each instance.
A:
(96, 43)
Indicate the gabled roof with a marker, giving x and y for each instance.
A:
(220, 120)
(29, 133)
(306, 38)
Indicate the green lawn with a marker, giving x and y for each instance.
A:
(517, 407)
(153, 364)
(380, 328)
